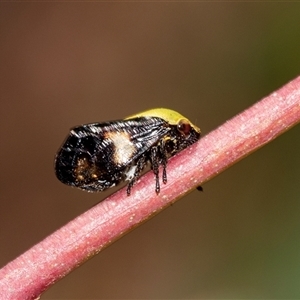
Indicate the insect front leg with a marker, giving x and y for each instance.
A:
(155, 167)
(164, 159)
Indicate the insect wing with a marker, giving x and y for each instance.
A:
(94, 155)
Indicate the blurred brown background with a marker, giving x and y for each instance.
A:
(64, 64)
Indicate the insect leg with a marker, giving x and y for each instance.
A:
(164, 159)
(155, 166)
(140, 164)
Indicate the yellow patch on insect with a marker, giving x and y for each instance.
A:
(124, 149)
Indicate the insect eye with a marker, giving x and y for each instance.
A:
(184, 127)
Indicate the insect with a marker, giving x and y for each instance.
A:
(97, 156)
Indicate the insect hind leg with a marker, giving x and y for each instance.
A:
(139, 166)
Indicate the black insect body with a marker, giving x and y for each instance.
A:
(98, 156)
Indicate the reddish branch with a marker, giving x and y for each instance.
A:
(41, 266)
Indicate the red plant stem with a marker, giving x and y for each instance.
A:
(41, 266)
